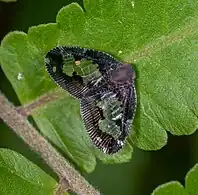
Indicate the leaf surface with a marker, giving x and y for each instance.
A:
(160, 37)
(20, 176)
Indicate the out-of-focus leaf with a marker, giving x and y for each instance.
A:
(159, 36)
(8, 1)
(20, 176)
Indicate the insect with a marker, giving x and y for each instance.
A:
(107, 96)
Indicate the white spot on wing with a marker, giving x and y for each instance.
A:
(98, 80)
(120, 142)
(19, 76)
(117, 117)
(106, 95)
(113, 96)
(98, 139)
(104, 150)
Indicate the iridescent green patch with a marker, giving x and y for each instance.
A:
(82, 67)
(111, 110)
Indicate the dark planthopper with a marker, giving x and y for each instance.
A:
(107, 96)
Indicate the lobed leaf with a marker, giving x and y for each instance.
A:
(159, 36)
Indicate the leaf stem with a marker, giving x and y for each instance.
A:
(19, 124)
(27, 109)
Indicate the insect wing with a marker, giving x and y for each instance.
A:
(129, 109)
(107, 95)
(91, 115)
(54, 61)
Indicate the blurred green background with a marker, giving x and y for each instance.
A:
(145, 171)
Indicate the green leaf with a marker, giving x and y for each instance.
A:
(20, 176)
(175, 188)
(159, 36)
(24, 66)
(60, 122)
(192, 181)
